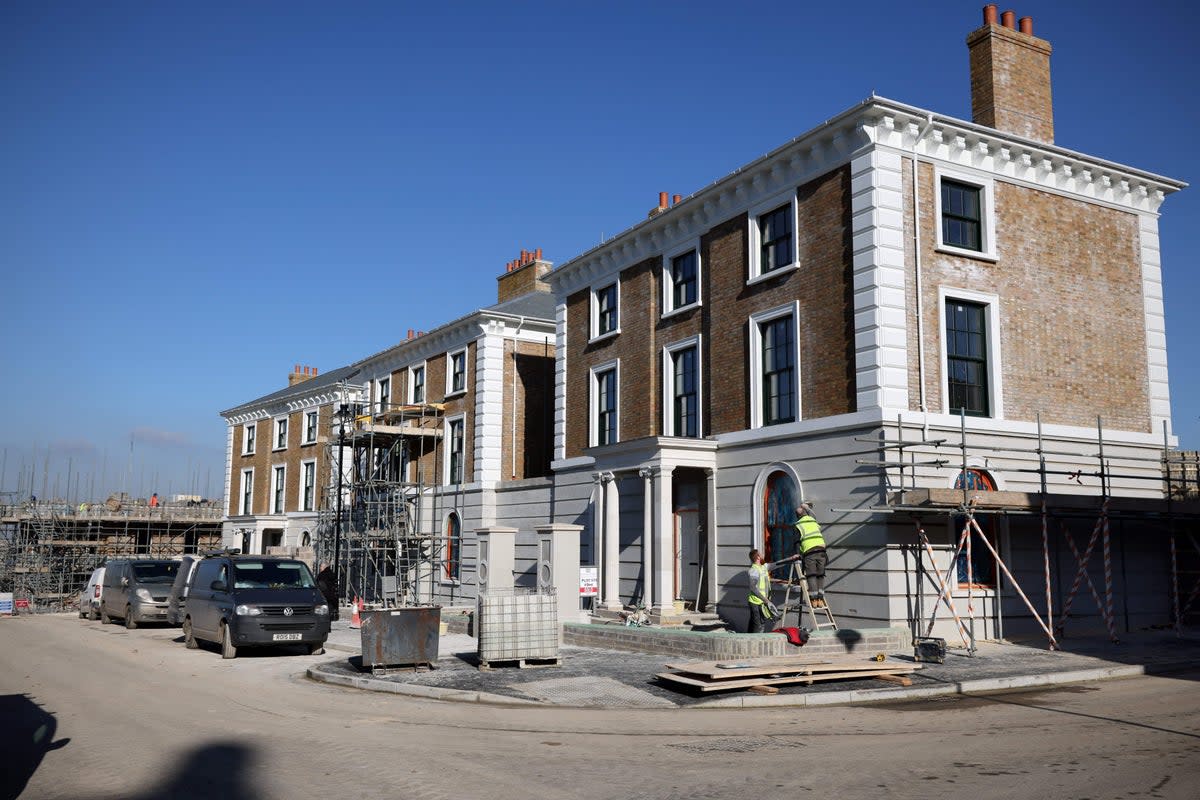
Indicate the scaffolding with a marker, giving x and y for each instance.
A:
(49, 549)
(381, 522)
(1173, 514)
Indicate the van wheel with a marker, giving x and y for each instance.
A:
(93, 615)
(104, 617)
(227, 648)
(130, 622)
(189, 638)
(316, 648)
(82, 613)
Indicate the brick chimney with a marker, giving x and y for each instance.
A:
(300, 375)
(1010, 77)
(523, 275)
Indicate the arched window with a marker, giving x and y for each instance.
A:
(453, 562)
(975, 479)
(306, 539)
(780, 498)
(982, 572)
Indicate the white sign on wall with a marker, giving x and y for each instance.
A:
(6, 604)
(589, 581)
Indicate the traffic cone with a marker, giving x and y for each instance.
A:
(355, 619)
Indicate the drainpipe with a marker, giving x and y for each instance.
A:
(513, 439)
(916, 193)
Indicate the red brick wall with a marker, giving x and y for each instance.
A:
(1072, 325)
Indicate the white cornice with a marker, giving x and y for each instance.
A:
(965, 144)
(880, 122)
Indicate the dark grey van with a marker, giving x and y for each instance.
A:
(177, 597)
(254, 601)
(135, 590)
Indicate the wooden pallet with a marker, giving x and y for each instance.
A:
(520, 663)
(718, 676)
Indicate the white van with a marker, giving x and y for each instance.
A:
(89, 597)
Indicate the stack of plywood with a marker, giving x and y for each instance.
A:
(760, 674)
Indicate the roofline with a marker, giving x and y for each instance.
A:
(1167, 185)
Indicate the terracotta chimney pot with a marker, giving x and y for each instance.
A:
(1009, 19)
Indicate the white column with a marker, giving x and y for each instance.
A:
(647, 476)
(710, 536)
(664, 546)
(612, 543)
(598, 528)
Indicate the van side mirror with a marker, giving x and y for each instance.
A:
(218, 586)
(124, 583)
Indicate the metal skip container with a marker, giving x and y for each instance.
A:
(401, 637)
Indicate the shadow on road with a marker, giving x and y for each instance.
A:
(215, 770)
(26, 735)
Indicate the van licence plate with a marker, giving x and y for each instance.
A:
(286, 637)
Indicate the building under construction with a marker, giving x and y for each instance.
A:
(48, 550)
(381, 526)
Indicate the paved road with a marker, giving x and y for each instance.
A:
(100, 712)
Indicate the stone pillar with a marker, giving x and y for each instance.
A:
(664, 546)
(611, 582)
(497, 557)
(558, 566)
(710, 539)
(647, 475)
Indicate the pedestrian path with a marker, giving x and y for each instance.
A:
(600, 678)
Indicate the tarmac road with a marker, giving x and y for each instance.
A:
(100, 712)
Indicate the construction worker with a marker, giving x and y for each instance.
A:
(812, 550)
(762, 610)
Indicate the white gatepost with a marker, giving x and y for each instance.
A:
(497, 557)
(558, 567)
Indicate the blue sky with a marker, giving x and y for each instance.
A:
(194, 197)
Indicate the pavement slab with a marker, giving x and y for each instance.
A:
(595, 677)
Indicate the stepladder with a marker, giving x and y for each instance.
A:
(796, 600)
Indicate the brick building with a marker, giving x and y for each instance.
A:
(892, 311)
(438, 436)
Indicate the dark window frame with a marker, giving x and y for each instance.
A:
(608, 309)
(967, 358)
(607, 403)
(778, 370)
(774, 243)
(684, 287)
(962, 215)
(685, 392)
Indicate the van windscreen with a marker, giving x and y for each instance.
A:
(271, 575)
(155, 571)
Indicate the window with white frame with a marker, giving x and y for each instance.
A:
(455, 450)
(971, 353)
(281, 429)
(965, 214)
(248, 437)
(681, 388)
(308, 485)
(453, 560)
(681, 280)
(775, 360)
(773, 237)
(310, 427)
(247, 503)
(605, 404)
(278, 486)
(606, 307)
(416, 384)
(383, 394)
(456, 372)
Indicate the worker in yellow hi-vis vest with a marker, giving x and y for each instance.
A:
(758, 578)
(812, 551)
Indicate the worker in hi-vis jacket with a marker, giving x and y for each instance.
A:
(758, 578)
(812, 551)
